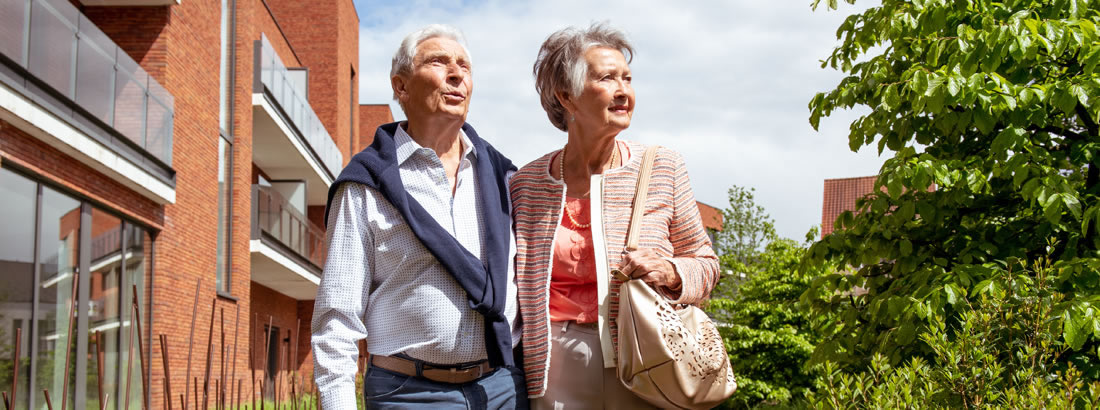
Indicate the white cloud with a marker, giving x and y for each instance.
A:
(726, 83)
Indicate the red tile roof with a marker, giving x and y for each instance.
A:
(841, 195)
(712, 217)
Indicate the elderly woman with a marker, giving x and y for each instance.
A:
(572, 209)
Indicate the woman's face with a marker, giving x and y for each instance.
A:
(607, 102)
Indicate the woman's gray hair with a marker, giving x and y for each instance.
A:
(402, 63)
(561, 66)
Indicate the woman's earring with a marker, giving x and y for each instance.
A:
(572, 118)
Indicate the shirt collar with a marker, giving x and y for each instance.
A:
(406, 146)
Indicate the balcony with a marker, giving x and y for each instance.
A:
(65, 82)
(289, 141)
(288, 251)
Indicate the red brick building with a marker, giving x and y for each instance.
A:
(841, 195)
(154, 144)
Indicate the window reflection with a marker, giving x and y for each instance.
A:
(36, 216)
(58, 244)
(17, 275)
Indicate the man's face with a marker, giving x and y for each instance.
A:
(440, 83)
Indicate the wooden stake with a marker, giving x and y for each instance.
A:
(221, 391)
(236, 334)
(167, 371)
(190, 347)
(267, 348)
(69, 341)
(15, 364)
(136, 318)
(99, 364)
(209, 356)
(49, 404)
(129, 361)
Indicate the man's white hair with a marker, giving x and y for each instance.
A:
(402, 63)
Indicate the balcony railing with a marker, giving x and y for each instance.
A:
(59, 46)
(273, 217)
(275, 77)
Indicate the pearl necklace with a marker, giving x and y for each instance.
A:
(561, 175)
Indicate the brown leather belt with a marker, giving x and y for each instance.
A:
(444, 374)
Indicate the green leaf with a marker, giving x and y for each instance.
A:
(1065, 100)
(954, 294)
(905, 247)
(1079, 92)
(1073, 204)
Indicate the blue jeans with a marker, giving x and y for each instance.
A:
(504, 388)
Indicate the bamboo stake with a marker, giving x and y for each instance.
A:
(183, 402)
(190, 347)
(267, 348)
(103, 406)
(99, 364)
(15, 364)
(197, 392)
(136, 318)
(236, 334)
(167, 371)
(7, 403)
(209, 356)
(69, 341)
(49, 404)
(129, 361)
(252, 366)
(221, 391)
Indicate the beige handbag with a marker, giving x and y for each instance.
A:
(672, 358)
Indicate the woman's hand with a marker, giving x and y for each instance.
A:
(650, 268)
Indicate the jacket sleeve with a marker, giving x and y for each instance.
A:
(693, 255)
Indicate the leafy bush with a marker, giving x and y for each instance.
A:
(1004, 351)
(768, 337)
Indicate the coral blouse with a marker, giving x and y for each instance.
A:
(573, 279)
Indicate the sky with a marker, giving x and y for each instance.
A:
(725, 83)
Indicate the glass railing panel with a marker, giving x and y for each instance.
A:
(53, 36)
(130, 82)
(96, 61)
(158, 122)
(277, 218)
(13, 27)
(67, 52)
(277, 79)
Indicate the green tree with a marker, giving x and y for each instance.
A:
(768, 337)
(746, 230)
(990, 110)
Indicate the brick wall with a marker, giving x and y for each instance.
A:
(370, 117)
(60, 170)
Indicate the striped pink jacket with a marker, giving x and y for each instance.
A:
(670, 225)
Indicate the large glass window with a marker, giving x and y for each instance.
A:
(40, 251)
(58, 247)
(17, 274)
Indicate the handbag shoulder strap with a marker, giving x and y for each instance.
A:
(640, 193)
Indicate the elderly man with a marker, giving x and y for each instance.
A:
(420, 252)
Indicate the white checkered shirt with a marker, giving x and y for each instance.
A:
(381, 284)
